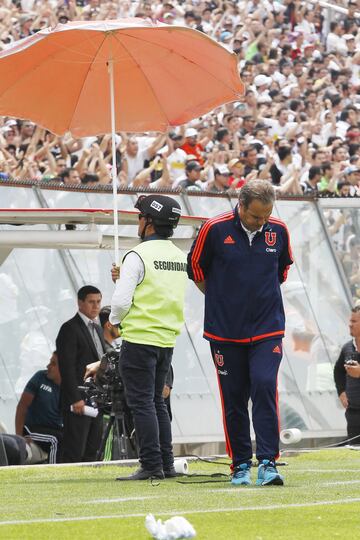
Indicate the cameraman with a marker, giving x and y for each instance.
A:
(347, 377)
(148, 302)
(110, 332)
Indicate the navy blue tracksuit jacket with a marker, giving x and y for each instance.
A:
(243, 302)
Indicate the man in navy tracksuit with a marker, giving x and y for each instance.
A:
(238, 260)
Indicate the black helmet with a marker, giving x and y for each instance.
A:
(163, 210)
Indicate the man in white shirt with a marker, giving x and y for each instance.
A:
(334, 41)
(262, 83)
(280, 127)
(135, 157)
(176, 158)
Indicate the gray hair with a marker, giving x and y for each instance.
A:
(260, 190)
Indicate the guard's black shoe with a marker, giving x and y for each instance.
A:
(143, 474)
(170, 473)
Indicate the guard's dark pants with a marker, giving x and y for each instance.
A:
(249, 371)
(353, 424)
(143, 370)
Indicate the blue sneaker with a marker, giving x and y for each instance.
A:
(268, 474)
(241, 475)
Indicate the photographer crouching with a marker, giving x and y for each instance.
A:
(148, 304)
(347, 377)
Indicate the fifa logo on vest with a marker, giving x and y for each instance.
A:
(270, 238)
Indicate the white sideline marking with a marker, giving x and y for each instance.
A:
(238, 489)
(123, 499)
(181, 512)
(341, 483)
(335, 469)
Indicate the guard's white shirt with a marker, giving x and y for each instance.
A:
(131, 274)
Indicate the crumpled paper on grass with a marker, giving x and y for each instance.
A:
(172, 529)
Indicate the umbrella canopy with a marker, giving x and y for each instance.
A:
(162, 76)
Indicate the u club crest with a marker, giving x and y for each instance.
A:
(270, 238)
(219, 359)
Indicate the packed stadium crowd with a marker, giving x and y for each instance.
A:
(296, 126)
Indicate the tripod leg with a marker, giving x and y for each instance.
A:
(119, 449)
(105, 435)
(124, 439)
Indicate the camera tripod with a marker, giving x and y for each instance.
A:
(120, 426)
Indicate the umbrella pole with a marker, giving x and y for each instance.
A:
(113, 168)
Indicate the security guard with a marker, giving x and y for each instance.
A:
(239, 259)
(148, 304)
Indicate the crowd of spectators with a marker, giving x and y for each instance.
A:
(297, 125)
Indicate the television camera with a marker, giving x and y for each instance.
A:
(106, 393)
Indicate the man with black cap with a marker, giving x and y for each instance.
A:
(148, 304)
(192, 179)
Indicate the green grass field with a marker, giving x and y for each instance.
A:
(320, 500)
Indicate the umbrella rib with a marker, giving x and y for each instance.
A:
(84, 80)
(145, 76)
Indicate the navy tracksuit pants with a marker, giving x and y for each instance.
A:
(244, 372)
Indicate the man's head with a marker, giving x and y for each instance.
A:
(191, 136)
(236, 167)
(223, 135)
(262, 82)
(193, 170)
(344, 189)
(158, 214)
(70, 176)
(314, 175)
(251, 156)
(282, 116)
(111, 331)
(340, 153)
(27, 129)
(233, 124)
(327, 169)
(353, 175)
(318, 157)
(256, 200)
(285, 155)
(261, 133)
(249, 123)
(53, 372)
(89, 301)
(60, 165)
(132, 147)
(177, 139)
(354, 323)
(222, 174)
(26, 20)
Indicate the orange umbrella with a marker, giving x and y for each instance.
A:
(129, 75)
